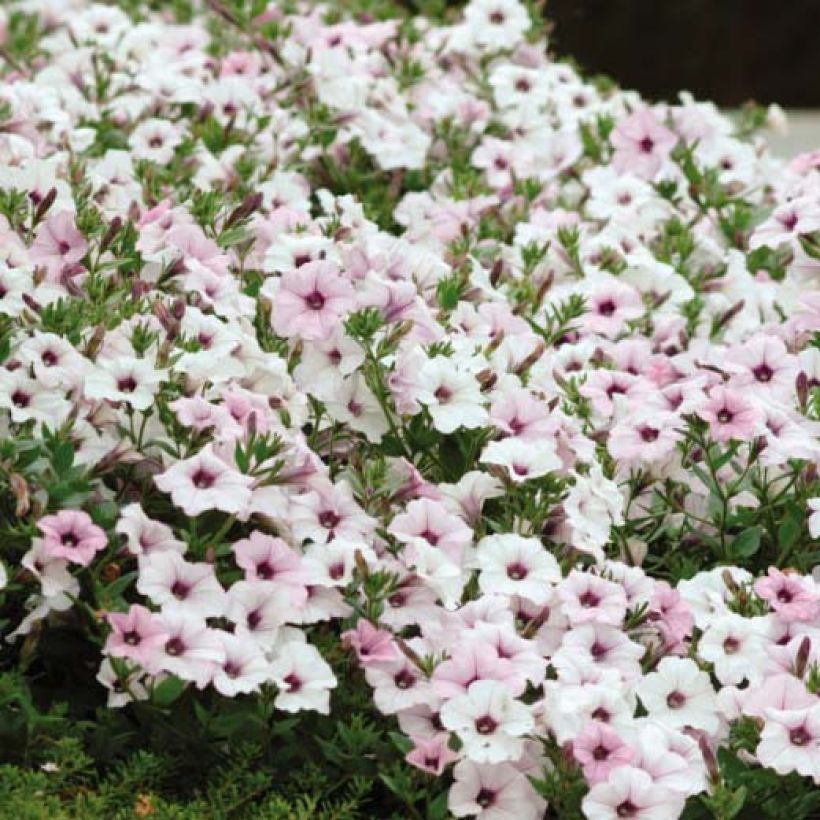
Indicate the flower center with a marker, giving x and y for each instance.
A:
(485, 798)
(180, 590)
(649, 434)
(265, 571)
(627, 809)
(404, 679)
(132, 638)
(600, 752)
(175, 646)
(315, 300)
(486, 725)
(646, 145)
(725, 416)
(430, 537)
(606, 308)
(598, 651)
(328, 519)
(675, 700)
(443, 393)
(799, 736)
(763, 373)
(203, 480)
(294, 682)
(589, 599)
(69, 539)
(517, 571)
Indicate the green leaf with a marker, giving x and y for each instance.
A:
(790, 529)
(736, 803)
(168, 691)
(747, 543)
(62, 458)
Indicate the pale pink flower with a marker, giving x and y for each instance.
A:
(137, 635)
(303, 677)
(311, 301)
(265, 558)
(790, 741)
(144, 535)
(731, 415)
(71, 534)
(58, 243)
(430, 521)
(489, 721)
(431, 755)
(179, 585)
(642, 144)
(244, 667)
(205, 482)
(493, 792)
(513, 565)
(792, 597)
(372, 645)
(630, 793)
(600, 749)
(192, 652)
(678, 694)
(587, 598)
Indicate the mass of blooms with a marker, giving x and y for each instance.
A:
(407, 339)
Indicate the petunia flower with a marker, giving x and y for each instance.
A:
(205, 482)
(71, 534)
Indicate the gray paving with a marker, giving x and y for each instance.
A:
(803, 134)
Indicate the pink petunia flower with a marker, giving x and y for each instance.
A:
(311, 301)
(431, 755)
(138, 635)
(642, 144)
(58, 243)
(599, 749)
(372, 645)
(730, 415)
(205, 482)
(790, 596)
(71, 534)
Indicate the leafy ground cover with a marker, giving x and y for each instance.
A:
(396, 422)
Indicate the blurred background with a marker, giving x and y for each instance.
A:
(728, 51)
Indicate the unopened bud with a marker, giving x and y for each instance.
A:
(730, 582)
(19, 489)
(95, 342)
(245, 208)
(109, 236)
(495, 272)
(801, 660)
(730, 314)
(44, 206)
(709, 758)
(361, 564)
(802, 387)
